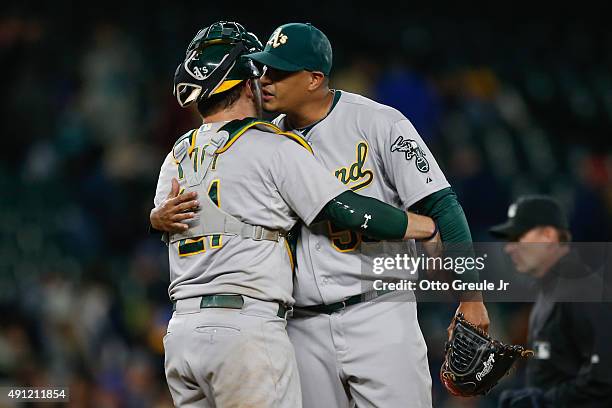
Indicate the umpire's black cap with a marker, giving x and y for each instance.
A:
(528, 212)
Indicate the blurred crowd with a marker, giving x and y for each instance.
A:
(88, 115)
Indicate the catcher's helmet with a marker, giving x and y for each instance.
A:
(213, 62)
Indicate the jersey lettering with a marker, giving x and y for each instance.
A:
(188, 247)
(343, 240)
(359, 177)
(356, 176)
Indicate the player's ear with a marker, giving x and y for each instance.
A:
(317, 80)
(252, 90)
(253, 93)
(249, 89)
(549, 234)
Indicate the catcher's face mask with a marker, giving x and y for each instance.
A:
(213, 62)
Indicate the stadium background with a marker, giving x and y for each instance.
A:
(510, 103)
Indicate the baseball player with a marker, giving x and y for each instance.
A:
(350, 351)
(231, 273)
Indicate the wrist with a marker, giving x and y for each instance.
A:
(420, 227)
(434, 231)
(468, 297)
(154, 219)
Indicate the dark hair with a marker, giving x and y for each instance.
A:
(564, 235)
(220, 101)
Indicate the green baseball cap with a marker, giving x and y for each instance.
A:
(529, 212)
(296, 47)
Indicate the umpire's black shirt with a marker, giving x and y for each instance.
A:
(572, 341)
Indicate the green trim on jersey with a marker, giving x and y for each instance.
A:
(237, 128)
(307, 129)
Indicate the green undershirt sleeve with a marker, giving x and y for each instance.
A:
(446, 211)
(367, 215)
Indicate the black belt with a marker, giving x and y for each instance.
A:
(234, 302)
(338, 306)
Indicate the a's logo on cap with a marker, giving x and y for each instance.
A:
(199, 73)
(277, 39)
(512, 211)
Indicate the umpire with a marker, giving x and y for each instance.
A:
(569, 328)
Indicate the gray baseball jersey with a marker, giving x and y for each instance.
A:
(373, 149)
(261, 178)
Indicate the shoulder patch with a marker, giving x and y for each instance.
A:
(237, 128)
(411, 149)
